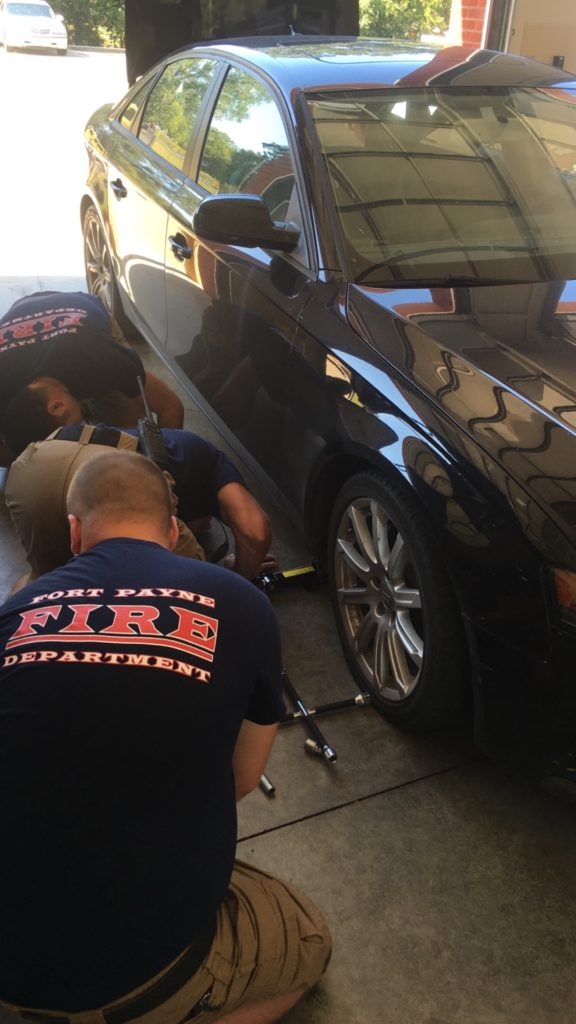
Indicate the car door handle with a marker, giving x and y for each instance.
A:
(181, 250)
(119, 190)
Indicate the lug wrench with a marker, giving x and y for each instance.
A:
(318, 743)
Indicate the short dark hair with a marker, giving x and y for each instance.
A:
(26, 419)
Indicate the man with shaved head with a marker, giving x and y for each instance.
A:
(139, 698)
(125, 495)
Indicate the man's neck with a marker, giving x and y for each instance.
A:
(92, 536)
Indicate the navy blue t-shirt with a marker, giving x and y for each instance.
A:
(200, 470)
(124, 679)
(65, 335)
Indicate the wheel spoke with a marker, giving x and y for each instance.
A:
(402, 679)
(353, 595)
(358, 518)
(381, 658)
(99, 274)
(406, 597)
(380, 533)
(396, 558)
(409, 638)
(90, 254)
(93, 242)
(365, 633)
(353, 558)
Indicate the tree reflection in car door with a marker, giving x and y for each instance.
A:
(232, 311)
(149, 158)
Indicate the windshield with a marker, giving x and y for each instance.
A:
(30, 10)
(452, 185)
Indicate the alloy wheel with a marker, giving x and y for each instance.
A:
(99, 273)
(379, 599)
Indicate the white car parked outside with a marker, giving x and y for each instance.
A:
(32, 25)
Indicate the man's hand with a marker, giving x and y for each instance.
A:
(268, 565)
(250, 526)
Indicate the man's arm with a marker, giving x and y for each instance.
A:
(251, 753)
(164, 402)
(124, 412)
(250, 526)
(161, 398)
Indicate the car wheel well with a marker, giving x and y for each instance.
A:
(330, 481)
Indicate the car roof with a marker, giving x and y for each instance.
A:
(314, 63)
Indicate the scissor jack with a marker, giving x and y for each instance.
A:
(316, 744)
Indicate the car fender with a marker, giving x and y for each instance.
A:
(481, 541)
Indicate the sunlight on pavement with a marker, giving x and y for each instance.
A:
(46, 101)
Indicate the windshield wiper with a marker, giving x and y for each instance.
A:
(448, 281)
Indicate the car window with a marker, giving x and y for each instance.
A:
(31, 10)
(127, 116)
(246, 147)
(172, 106)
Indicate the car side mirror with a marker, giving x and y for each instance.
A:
(243, 220)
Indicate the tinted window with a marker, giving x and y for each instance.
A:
(172, 107)
(246, 148)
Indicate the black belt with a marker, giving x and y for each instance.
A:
(157, 993)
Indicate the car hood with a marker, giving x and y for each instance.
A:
(500, 362)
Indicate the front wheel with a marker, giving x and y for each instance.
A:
(395, 608)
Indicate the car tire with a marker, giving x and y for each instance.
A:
(100, 276)
(61, 53)
(395, 607)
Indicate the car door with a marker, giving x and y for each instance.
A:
(232, 311)
(146, 172)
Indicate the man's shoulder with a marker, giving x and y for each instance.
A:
(200, 456)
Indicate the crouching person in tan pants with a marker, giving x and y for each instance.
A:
(139, 699)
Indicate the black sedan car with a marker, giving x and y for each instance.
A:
(360, 257)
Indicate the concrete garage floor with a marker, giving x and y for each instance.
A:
(449, 887)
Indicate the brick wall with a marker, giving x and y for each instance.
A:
(467, 22)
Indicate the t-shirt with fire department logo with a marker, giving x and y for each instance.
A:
(124, 679)
(64, 335)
